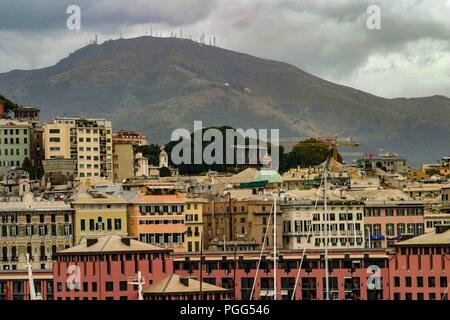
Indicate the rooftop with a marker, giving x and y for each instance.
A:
(432, 238)
(174, 284)
(111, 244)
(170, 198)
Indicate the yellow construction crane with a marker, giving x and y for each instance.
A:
(333, 143)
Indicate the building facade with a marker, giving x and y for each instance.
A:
(89, 141)
(98, 214)
(420, 267)
(127, 136)
(105, 267)
(14, 144)
(37, 228)
(159, 220)
(387, 221)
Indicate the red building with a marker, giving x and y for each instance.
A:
(349, 274)
(420, 267)
(100, 269)
(14, 285)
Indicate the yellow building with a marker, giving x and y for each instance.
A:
(260, 218)
(98, 214)
(89, 141)
(123, 155)
(127, 162)
(195, 208)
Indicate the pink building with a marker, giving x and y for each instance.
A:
(103, 267)
(420, 267)
(388, 221)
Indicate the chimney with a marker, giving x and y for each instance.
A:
(91, 242)
(2, 109)
(442, 228)
(184, 281)
(126, 241)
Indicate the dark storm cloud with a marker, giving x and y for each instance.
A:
(328, 38)
(35, 15)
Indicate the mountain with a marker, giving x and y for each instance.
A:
(159, 84)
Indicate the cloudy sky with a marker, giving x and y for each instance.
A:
(409, 55)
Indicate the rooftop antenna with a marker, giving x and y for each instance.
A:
(96, 39)
(214, 41)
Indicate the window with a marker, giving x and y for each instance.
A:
(397, 282)
(94, 286)
(123, 285)
(82, 225)
(431, 282)
(443, 282)
(85, 286)
(420, 282)
(408, 282)
(117, 224)
(91, 224)
(109, 286)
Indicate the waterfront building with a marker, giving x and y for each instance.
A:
(105, 267)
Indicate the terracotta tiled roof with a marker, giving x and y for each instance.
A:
(160, 199)
(111, 243)
(431, 238)
(172, 285)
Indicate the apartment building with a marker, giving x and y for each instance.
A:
(14, 144)
(128, 136)
(127, 162)
(37, 228)
(32, 116)
(387, 221)
(194, 212)
(304, 220)
(225, 213)
(89, 141)
(390, 163)
(261, 220)
(159, 219)
(98, 214)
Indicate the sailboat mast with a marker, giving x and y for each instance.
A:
(275, 260)
(325, 198)
(30, 279)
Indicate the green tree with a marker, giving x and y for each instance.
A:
(35, 172)
(151, 152)
(164, 172)
(432, 171)
(311, 152)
